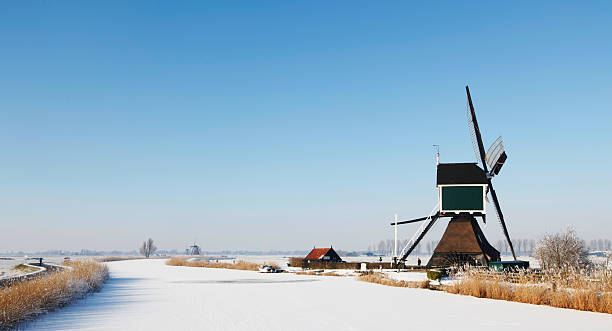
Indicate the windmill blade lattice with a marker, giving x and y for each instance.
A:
(473, 135)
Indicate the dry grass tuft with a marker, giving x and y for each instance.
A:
(129, 257)
(117, 258)
(24, 300)
(574, 290)
(239, 265)
(315, 273)
(331, 273)
(380, 278)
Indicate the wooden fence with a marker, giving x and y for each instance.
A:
(318, 264)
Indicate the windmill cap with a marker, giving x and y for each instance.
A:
(460, 173)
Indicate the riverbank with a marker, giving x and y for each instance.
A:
(26, 299)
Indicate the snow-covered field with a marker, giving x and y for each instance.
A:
(7, 263)
(148, 295)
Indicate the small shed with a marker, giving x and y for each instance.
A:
(323, 254)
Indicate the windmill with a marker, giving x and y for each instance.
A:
(193, 249)
(462, 196)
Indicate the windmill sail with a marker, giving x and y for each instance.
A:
(473, 134)
(496, 156)
(480, 152)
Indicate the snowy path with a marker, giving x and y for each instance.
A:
(148, 295)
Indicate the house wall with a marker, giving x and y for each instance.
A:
(333, 256)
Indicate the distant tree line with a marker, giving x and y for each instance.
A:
(385, 247)
(522, 246)
(600, 245)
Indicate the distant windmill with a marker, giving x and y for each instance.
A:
(194, 250)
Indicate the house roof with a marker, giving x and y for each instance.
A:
(460, 173)
(317, 253)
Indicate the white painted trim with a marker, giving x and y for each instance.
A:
(463, 185)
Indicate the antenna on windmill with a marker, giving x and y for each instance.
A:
(437, 153)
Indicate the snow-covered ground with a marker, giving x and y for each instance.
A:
(411, 276)
(8, 263)
(148, 295)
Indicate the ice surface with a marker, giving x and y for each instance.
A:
(148, 295)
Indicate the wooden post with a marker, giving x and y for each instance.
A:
(395, 246)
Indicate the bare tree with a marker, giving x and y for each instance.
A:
(562, 251)
(148, 248)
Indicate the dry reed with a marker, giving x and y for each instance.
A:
(578, 290)
(238, 265)
(24, 300)
(117, 258)
(380, 278)
(124, 258)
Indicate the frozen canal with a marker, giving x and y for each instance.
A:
(148, 295)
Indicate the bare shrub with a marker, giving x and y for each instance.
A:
(296, 262)
(24, 300)
(147, 248)
(562, 251)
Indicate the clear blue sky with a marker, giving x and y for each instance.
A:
(260, 125)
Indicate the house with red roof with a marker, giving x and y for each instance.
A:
(323, 254)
